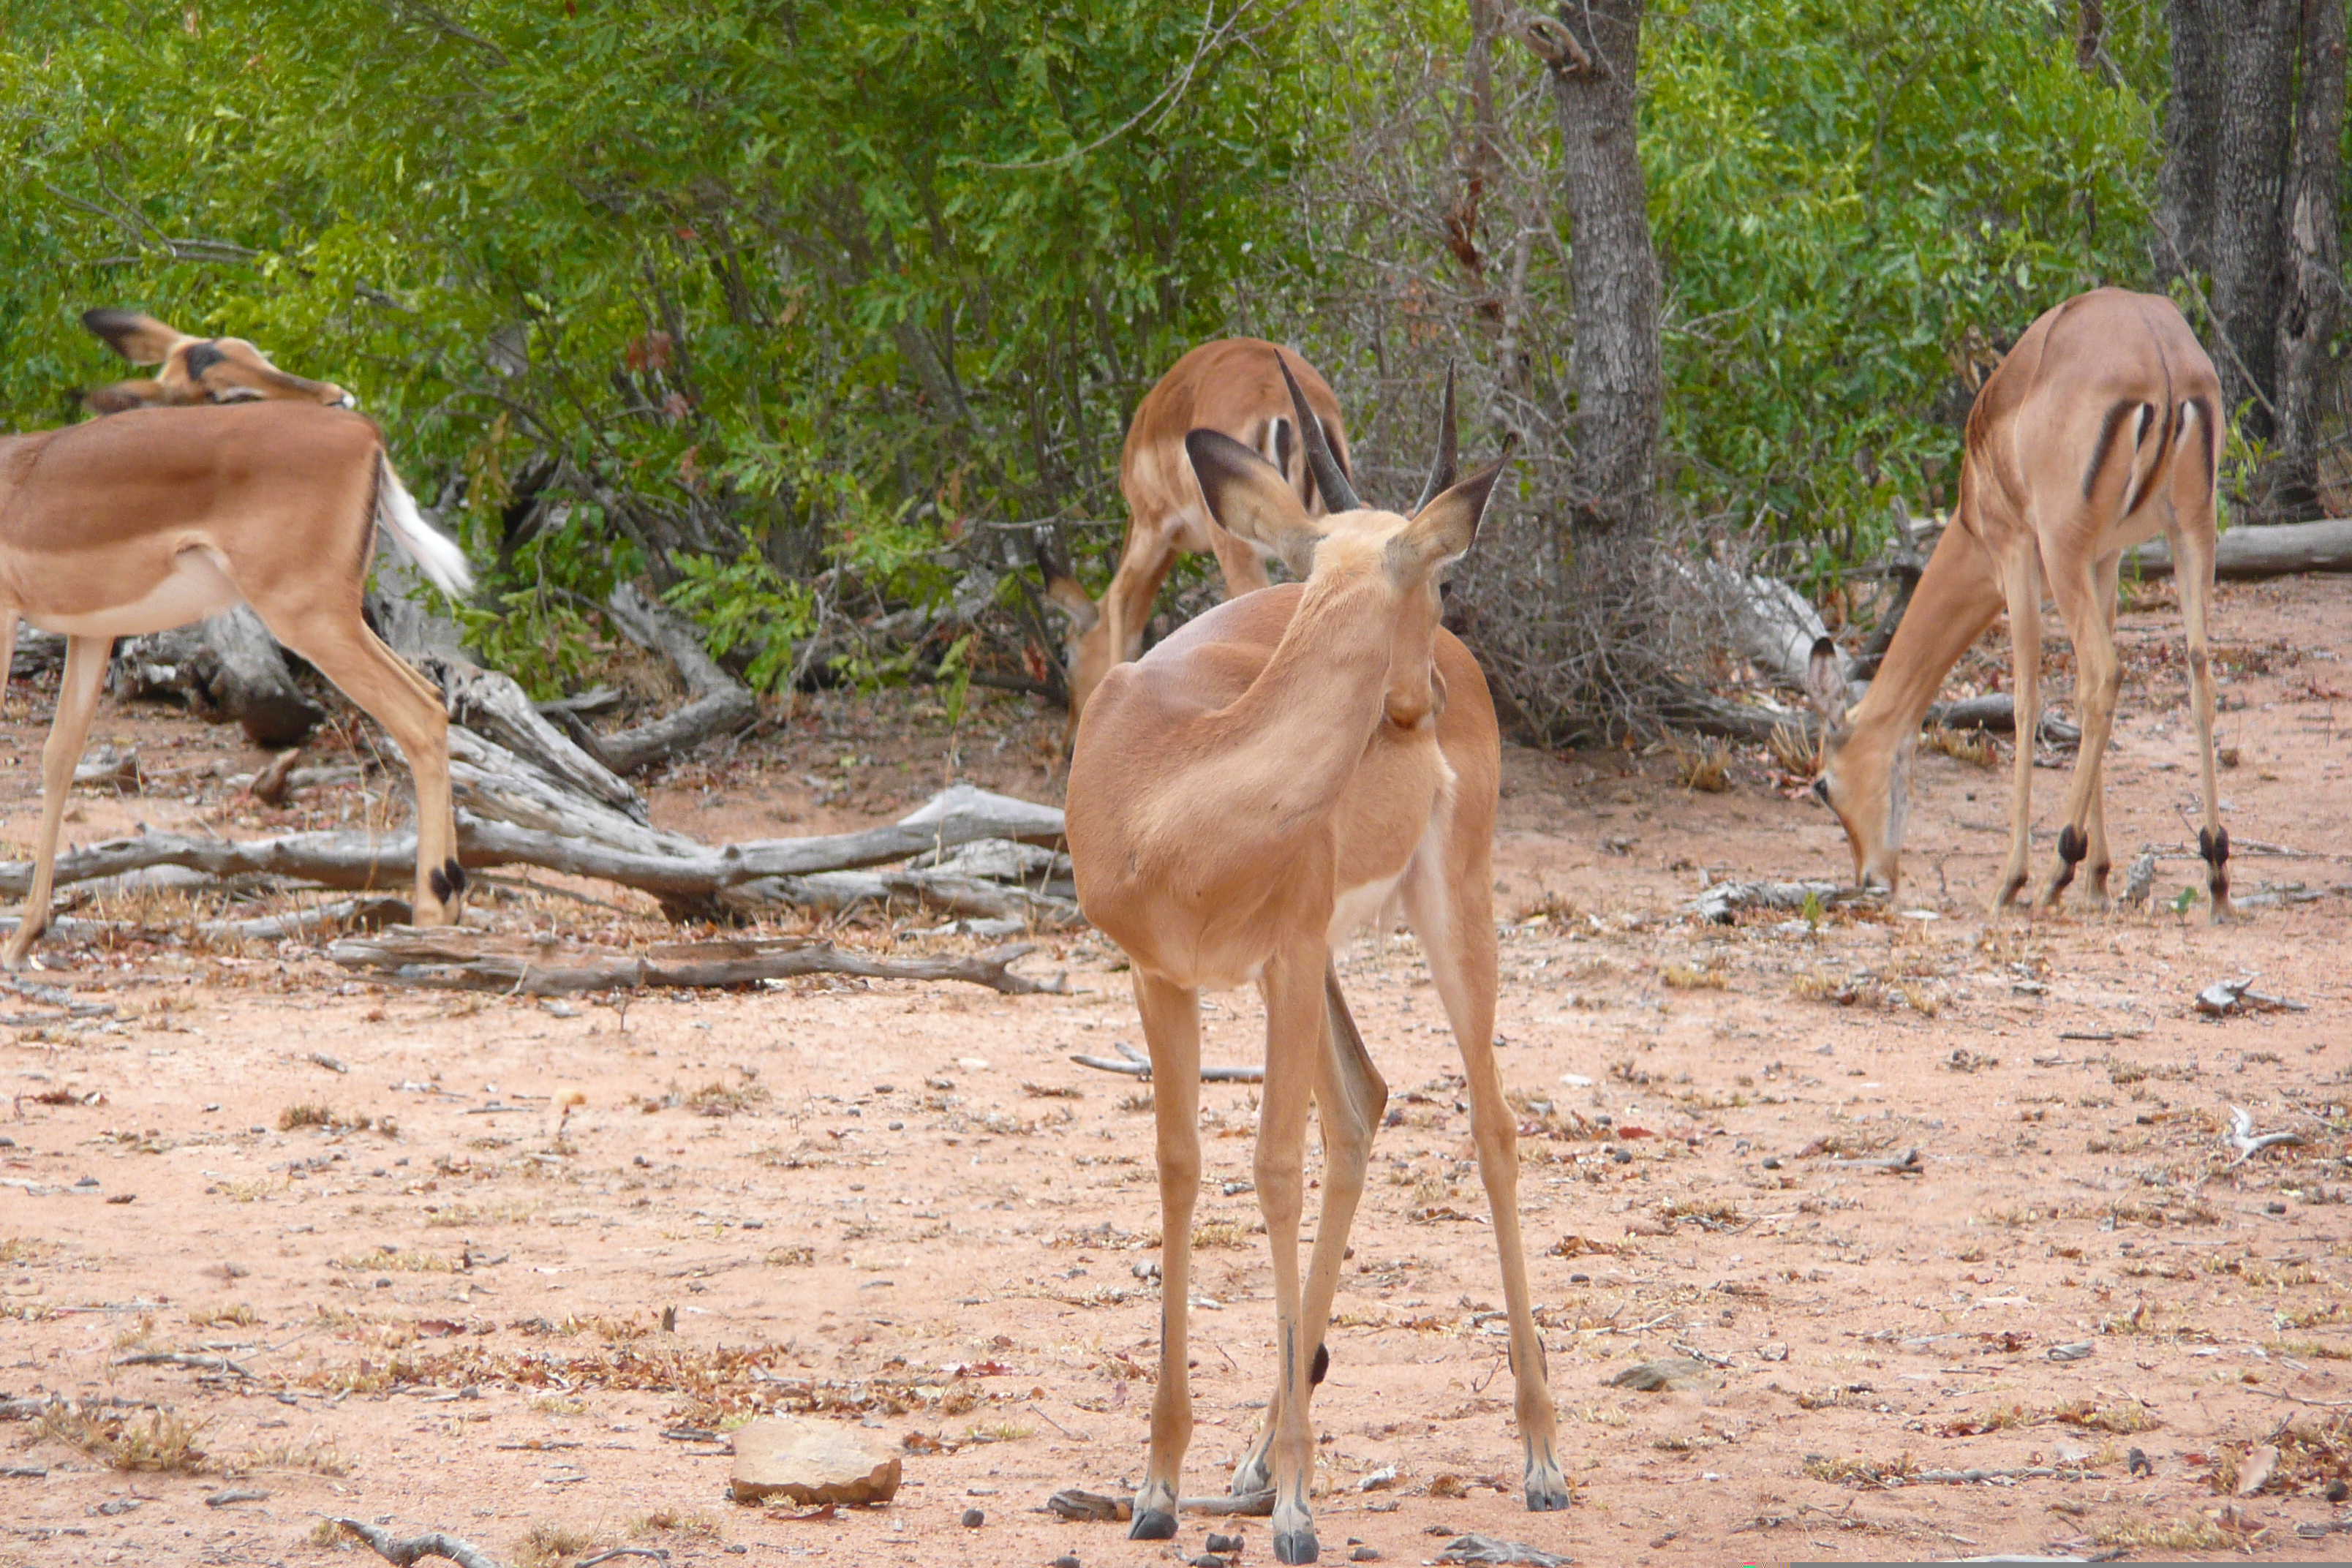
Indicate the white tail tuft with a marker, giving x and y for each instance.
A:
(435, 551)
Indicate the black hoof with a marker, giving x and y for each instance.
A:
(1295, 1546)
(1547, 1496)
(438, 881)
(1152, 1524)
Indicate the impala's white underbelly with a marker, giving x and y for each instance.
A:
(195, 587)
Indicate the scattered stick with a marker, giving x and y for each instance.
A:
(613, 1554)
(407, 1550)
(719, 703)
(1721, 903)
(2246, 1142)
(176, 1358)
(1100, 1508)
(1907, 1163)
(456, 958)
(1143, 1070)
(271, 785)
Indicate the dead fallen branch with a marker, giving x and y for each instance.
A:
(2225, 998)
(719, 704)
(456, 958)
(1907, 1163)
(226, 668)
(1721, 903)
(1135, 1064)
(2247, 1141)
(2276, 550)
(359, 861)
(1088, 1507)
(1712, 715)
(406, 1551)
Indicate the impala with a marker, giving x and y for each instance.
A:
(1234, 386)
(159, 517)
(2096, 433)
(1240, 801)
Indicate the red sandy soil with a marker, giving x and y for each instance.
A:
(904, 1205)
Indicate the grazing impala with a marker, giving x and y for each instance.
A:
(193, 369)
(1230, 386)
(2097, 432)
(156, 518)
(1240, 801)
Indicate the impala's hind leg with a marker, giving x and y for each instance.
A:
(1454, 919)
(1172, 1028)
(68, 732)
(2098, 680)
(2192, 556)
(2021, 581)
(7, 656)
(410, 709)
(1349, 1096)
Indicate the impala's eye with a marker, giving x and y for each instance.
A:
(1822, 789)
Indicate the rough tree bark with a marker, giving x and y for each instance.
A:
(2249, 175)
(1592, 48)
(2312, 281)
(2184, 202)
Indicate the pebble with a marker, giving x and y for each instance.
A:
(1066, 1559)
(1228, 1544)
(974, 1519)
(1364, 1554)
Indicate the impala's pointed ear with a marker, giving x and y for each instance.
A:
(1444, 529)
(1066, 594)
(141, 340)
(1249, 497)
(1825, 682)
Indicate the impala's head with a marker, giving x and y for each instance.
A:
(1394, 559)
(1865, 781)
(194, 370)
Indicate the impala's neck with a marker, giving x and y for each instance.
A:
(1296, 736)
(1957, 598)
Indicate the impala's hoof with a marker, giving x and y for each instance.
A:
(1250, 1478)
(1547, 1494)
(1295, 1546)
(1153, 1524)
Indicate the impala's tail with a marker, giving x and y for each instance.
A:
(433, 551)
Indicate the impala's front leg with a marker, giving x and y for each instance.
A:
(68, 732)
(1171, 1028)
(1293, 1040)
(2098, 678)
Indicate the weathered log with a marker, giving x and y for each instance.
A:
(1772, 625)
(38, 652)
(2270, 549)
(1712, 715)
(719, 703)
(367, 913)
(226, 668)
(968, 896)
(493, 783)
(454, 958)
(360, 860)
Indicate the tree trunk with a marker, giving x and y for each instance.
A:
(2184, 202)
(2090, 30)
(2312, 283)
(2249, 177)
(1592, 48)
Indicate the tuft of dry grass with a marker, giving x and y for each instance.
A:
(168, 1443)
(1792, 748)
(2190, 1532)
(383, 1260)
(1973, 747)
(240, 1315)
(1219, 1233)
(554, 1546)
(314, 1458)
(670, 1522)
(1688, 977)
(1704, 767)
(2121, 1419)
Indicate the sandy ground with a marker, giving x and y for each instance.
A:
(439, 1272)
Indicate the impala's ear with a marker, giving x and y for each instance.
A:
(141, 340)
(1250, 497)
(1444, 529)
(1825, 682)
(122, 397)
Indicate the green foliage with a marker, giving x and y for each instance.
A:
(1856, 206)
(815, 282)
(744, 604)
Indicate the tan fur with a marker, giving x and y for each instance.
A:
(127, 524)
(1230, 386)
(2063, 471)
(194, 370)
(1257, 782)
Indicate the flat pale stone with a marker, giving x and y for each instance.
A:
(805, 1461)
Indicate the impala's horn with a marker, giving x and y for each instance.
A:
(1441, 473)
(1338, 495)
